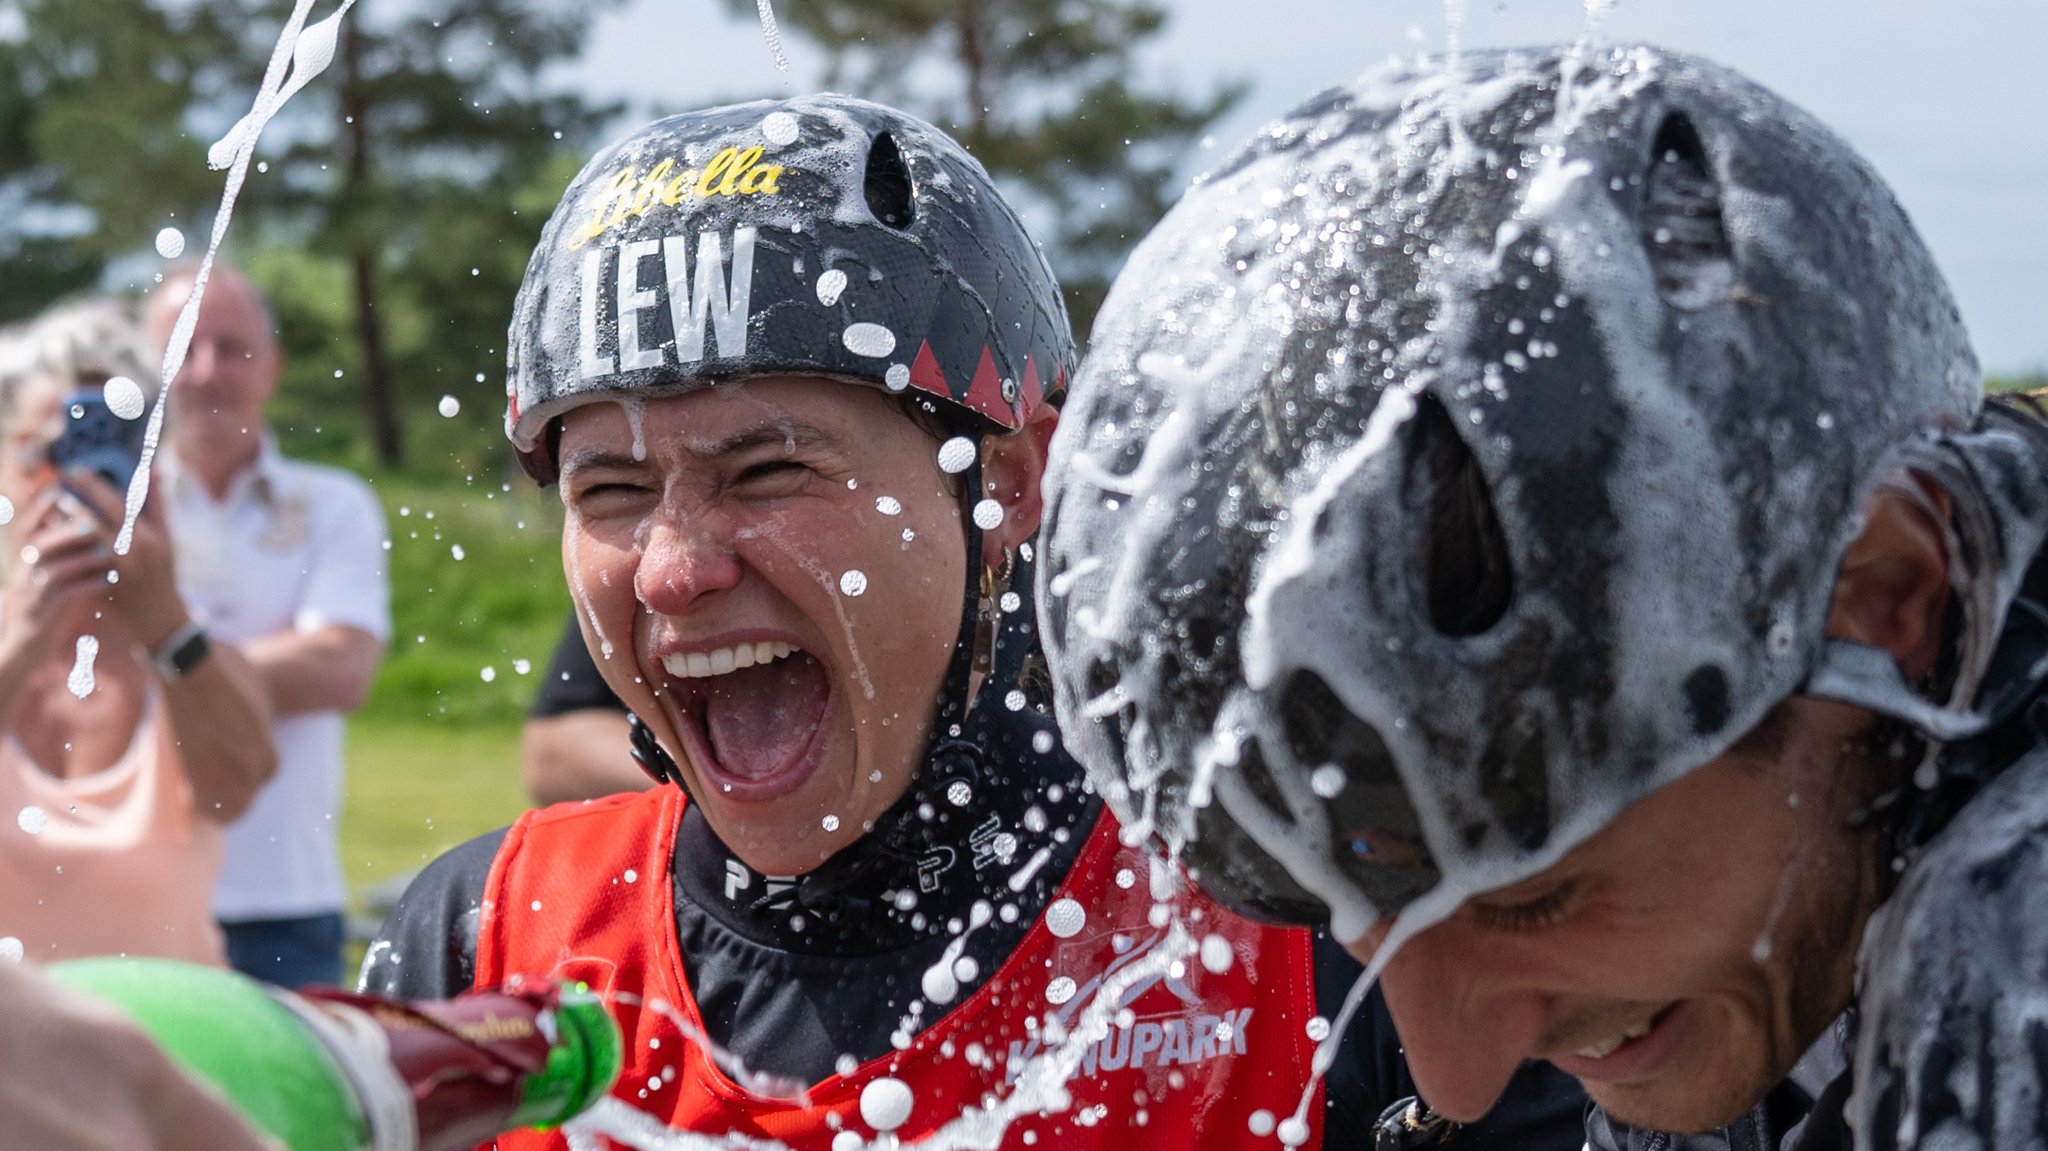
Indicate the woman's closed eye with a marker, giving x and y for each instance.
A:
(1535, 914)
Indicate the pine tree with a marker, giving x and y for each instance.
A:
(400, 192)
(1043, 93)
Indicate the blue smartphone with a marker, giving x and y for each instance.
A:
(97, 439)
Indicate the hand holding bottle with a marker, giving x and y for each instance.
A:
(76, 1075)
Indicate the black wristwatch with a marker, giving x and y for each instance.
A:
(182, 652)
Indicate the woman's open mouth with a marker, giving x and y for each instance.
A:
(751, 716)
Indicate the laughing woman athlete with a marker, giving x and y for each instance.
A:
(795, 367)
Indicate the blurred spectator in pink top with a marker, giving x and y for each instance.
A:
(127, 740)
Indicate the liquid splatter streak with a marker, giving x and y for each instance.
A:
(771, 32)
(307, 52)
(81, 680)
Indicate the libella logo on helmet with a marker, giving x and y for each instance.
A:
(821, 236)
(1470, 456)
(668, 184)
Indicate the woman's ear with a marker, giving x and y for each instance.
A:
(1012, 470)
(1891, 591)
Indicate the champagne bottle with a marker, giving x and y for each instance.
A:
(325, 1070)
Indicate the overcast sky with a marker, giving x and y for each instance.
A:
(1949, 98)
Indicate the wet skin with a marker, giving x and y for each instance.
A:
(751, 504)
(1658, 921)
(1680, 960)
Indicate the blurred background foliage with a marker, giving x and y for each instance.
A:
(390, 220)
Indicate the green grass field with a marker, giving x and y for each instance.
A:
(477, 600)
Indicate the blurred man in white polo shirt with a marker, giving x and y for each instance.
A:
(284, 560)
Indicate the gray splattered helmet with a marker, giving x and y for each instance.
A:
(1649, 329)
(822, 235)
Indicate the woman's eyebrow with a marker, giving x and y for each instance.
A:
(789, 434)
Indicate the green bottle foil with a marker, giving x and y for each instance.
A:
(326, 1070)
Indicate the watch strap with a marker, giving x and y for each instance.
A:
(181, 651)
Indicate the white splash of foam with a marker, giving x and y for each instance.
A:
(772, 32)
(956, 455)
(885, 1103)
(779, 129)
(124, 398)
(81, 682)
(306, 52)
(871, 340)
(831, 286)
(635, 408)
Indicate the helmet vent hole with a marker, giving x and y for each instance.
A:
(1466, 571)
(888, 185)
(1682, 228)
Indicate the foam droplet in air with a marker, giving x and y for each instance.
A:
(1060, 990)
(1318, 1029)
(830, 823)
(830, 286)
(32, 820)
(1065, 918)
(1327, 781)
(897, 377)
(1293, 1132)
(853, 583)
(988, 515)
(522, 666)
(869, 340)
(488, 674)
(885, 1104)
(956, 455)
(6, 510)
(779, 129)
(80, 681)
(888, 506)
(11, 949)
(456, 551)
(124, 398)
(170, 243)
(772, 33)
(939, 985)
(1217, 955)
(846, 1140)
(450, 407)
(1011, 601)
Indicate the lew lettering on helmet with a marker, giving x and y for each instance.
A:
(822, 236)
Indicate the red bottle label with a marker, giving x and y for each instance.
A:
(460, 1065)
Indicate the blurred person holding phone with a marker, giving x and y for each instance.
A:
(284, 560)
(126, 740)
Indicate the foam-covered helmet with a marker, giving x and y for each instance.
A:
(821, 235)
(1648, 329)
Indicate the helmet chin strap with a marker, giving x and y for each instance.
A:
(954, 704)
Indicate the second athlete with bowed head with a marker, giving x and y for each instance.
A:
(794, 367)
(1540, 516)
